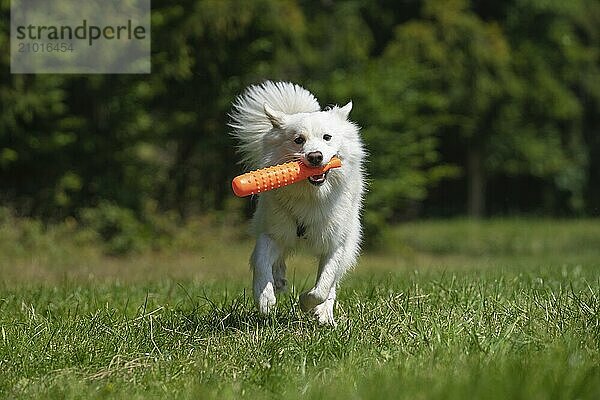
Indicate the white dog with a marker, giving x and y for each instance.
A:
(277, 122)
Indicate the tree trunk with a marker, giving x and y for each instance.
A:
(476, 182)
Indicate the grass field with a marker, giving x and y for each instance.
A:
(446, 309)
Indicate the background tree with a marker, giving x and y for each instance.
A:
(506, 114)
(490, 104)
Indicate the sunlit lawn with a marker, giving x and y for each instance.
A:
(444, 309)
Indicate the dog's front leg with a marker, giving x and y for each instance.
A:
(266, 253)
(331, 268)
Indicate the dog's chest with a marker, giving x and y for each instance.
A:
(312, 239)
(314, 226)
(317, 223)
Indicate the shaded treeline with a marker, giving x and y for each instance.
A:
(467, 107)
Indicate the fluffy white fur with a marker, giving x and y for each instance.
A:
(266, 119)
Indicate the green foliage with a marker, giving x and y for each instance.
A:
(117, 227)
(121, 232)
(401, 141)
(444, 91)
(27, 238)
(511, 111)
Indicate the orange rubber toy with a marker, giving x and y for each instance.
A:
(274, 177)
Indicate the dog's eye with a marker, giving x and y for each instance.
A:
(327, 137)
(299, 140)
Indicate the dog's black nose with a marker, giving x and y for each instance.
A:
(315, 158)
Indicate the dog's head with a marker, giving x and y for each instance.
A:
(313, 138)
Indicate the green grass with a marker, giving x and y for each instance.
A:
(449, 310)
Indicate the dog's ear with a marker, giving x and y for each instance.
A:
(277, 118)
(345, 111)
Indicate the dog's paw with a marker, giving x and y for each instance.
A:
(265, 301)
(324, 314)
(266, 304)
(309, 300)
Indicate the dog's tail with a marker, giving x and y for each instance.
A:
(249, 121)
